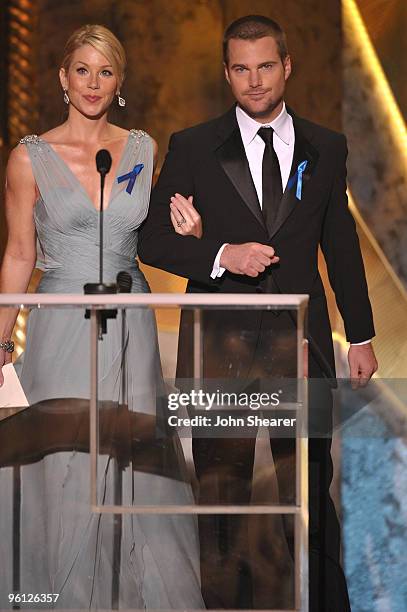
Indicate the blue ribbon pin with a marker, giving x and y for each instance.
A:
(131, 177)
(298, 177)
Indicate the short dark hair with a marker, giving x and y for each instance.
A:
(252, 27)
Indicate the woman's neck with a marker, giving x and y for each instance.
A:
(83, 129)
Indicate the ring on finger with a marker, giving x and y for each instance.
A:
(179, 223)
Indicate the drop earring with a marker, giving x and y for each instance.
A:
(121, 101)
(66, 97)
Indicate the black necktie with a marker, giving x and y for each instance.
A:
(272, 185)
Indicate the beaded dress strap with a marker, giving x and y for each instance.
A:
(138, 134)
(30, 139)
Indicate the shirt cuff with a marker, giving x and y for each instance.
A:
(360, 343)
(217, 269)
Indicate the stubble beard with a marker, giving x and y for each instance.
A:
(261, 114)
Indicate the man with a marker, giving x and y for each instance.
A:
(269, 187)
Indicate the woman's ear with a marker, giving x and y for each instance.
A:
(63, 78)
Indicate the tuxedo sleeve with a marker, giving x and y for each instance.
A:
(341, 249)
(159, 245)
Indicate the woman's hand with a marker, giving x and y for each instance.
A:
(5, 358)
(185, 219)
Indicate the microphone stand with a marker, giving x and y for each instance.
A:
(103, 165)
(101, 222)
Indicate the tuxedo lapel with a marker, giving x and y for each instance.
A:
(230, 152)
(303, 151)
(232, 157)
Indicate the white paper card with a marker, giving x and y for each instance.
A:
(11, 393)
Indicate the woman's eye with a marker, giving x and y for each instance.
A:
(81, 70)
(107, 73)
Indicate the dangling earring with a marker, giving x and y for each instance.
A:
(66, 97)
(121, 101)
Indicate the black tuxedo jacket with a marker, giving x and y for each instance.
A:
(208, 161)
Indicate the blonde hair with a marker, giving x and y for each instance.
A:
(101, 39)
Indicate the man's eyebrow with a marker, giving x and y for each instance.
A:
(258, 65)
(267, 63)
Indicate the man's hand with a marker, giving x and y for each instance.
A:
(250, 258)
(362, 364)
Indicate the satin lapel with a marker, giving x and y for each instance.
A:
(303, 150)
(232, 157)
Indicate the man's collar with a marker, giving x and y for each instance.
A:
(249, 126)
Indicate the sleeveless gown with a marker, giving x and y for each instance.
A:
(151, 561)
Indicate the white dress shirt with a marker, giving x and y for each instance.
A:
(283, 143)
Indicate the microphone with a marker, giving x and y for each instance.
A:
(103, 162)
(124, 282)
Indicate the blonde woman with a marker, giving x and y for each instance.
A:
(52, 195)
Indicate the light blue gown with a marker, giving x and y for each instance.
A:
(64, 548)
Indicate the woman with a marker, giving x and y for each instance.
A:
(89, 560)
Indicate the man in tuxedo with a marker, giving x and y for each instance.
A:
(268, 187)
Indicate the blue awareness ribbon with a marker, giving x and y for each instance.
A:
(298, 177)
(131, 177)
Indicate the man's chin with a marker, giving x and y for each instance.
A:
(260, 112)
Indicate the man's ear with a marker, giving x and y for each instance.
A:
(63, 78)
(287, 66)
(226, 72)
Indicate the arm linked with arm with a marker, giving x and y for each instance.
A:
(159, 245)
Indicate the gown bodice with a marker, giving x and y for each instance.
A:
(67, 223)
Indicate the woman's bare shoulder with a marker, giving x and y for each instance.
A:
(19, 173)
(18, 158)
